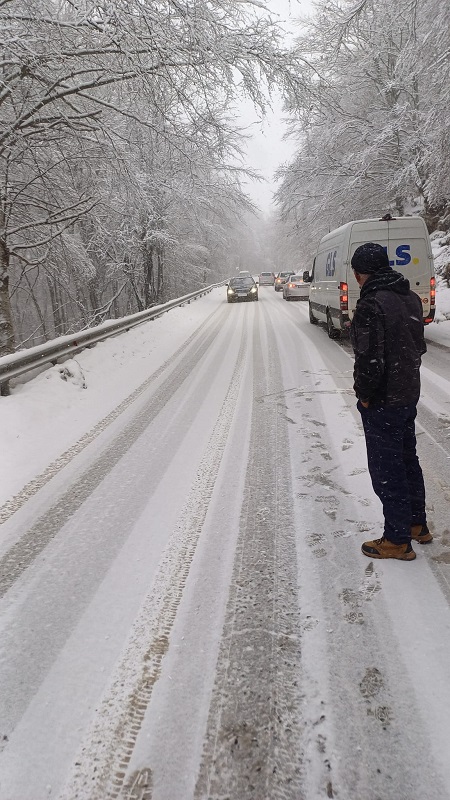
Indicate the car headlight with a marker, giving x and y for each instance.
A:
(230, 291)
(253, 289)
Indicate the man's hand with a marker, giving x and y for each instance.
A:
(365, 403)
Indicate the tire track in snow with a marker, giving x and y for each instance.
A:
(32, 487)
(253, 740)
(100, 771)
(19, 557)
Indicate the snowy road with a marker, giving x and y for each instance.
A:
(185, 610)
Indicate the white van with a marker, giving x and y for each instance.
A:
(334, 291)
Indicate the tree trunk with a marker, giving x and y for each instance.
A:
(134, 297)
(57, 321)
(433, 214)
(149, 291)
(6, 323)
(93, 297)
(38, 309)
(160, 274)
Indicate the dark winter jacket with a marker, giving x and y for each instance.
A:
(387, 337)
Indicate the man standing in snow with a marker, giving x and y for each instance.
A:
(388, 341)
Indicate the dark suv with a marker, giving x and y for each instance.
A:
(241, 288)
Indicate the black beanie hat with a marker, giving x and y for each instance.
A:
(370, 258)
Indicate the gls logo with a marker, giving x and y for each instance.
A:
(403, 256)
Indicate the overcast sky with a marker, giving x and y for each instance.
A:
(267, 150)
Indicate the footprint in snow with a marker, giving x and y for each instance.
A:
(355, 618)
(315, 538)
(384, 714)
(372, 682)
(340, 534)
(309, 623)
(370, 586)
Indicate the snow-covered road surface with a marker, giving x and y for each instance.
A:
(185, 609)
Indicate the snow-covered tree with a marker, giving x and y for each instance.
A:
(371, 127)
(72, 74)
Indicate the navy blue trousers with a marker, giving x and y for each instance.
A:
(394, 467)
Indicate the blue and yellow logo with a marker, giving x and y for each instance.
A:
(402, 256)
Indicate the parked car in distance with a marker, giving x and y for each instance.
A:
(296, 288)
(280, 280)
(243, 287)
(266, 278)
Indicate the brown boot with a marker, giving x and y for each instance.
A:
(421, 534)
(383, 548)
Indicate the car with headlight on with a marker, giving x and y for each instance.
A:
(266, 279)
(296, 288)
(280, 280)
(242, 288)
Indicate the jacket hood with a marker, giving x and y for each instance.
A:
(388, 280)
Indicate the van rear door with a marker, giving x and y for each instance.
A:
(409, 251)
(408, 246)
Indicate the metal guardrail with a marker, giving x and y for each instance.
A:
(15, 364)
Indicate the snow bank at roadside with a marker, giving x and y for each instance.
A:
(440, 244)
(45, 416)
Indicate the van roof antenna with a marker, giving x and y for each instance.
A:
(387, 217)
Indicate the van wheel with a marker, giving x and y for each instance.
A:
(312, 318)
(332, 332)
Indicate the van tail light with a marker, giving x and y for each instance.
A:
(343, 292)
(432, 292)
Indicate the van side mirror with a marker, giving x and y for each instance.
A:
(307, 277)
